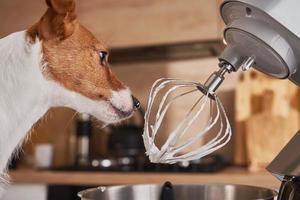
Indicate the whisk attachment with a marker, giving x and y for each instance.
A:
(171, 150)
(215, 80)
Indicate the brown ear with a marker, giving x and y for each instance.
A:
(62, 6)
(58, 22)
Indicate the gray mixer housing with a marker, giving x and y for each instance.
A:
(266, 34)
(268, 31)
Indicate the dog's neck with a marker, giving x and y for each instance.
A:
(23, 98)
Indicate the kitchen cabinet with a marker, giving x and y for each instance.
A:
(25, 192)
(128, 22)
(143, 22)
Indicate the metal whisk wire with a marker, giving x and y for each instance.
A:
(169, 152)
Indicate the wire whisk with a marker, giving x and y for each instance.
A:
(171, 150)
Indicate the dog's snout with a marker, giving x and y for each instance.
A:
(136, 103)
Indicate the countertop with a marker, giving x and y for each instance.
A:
(232, 175)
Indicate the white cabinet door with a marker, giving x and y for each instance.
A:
(25, 192)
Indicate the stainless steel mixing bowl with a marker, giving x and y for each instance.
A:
(178, 192)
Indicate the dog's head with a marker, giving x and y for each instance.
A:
(78, 63)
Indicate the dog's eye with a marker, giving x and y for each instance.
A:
(103, 57)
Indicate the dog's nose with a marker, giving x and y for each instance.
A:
(136, 103)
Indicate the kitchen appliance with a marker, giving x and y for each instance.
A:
(168, 191)
(84, 131)
(286, 167)
(265, 35)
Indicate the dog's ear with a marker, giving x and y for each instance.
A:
(59, 21)
(62, 6)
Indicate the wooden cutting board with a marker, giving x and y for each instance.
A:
(267, 116)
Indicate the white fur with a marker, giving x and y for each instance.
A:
(102, 110)
(25, 95)
(122, 100)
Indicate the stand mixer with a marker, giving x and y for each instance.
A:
(259, 34)
(265, 35)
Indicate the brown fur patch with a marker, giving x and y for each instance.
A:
(72, 53)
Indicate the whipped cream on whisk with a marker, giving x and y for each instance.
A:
(172, 149)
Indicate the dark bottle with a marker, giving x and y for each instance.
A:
(84, 132)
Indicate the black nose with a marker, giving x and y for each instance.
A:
(136, 103)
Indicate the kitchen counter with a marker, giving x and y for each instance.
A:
(230, 175)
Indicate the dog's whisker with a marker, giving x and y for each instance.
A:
(69, 122)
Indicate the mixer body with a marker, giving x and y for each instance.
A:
(286, 167)
(268, 31)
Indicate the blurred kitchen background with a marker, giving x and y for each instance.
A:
(148, 40)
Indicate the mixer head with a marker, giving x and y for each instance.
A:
(216, 127)
(268, 30)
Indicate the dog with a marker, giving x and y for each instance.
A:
(56, 62)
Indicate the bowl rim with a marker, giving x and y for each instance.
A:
(83, 193)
